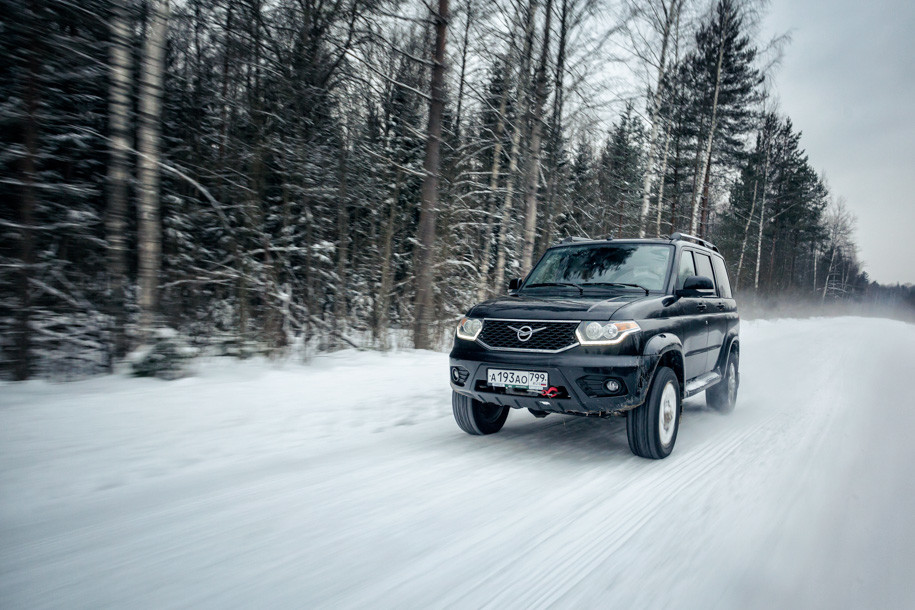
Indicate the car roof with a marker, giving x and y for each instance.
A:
(677, 239)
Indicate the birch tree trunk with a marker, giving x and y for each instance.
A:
(502, 243)
(657, 230)
(746, 235)
(707, 153)
(460, 95)
(524, 74)
(773, 279)
(383, 301)
(555, 128)
(832, 261)
(532, 174)
(814, 269)
(704, 198)
(674, 225)
(671, 15)
(149, 226)
(120, 75)
(483, 286)
(426, 234)
(343, 232)
(762, 219)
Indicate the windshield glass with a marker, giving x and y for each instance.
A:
(639, 265)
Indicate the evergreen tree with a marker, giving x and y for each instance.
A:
(291, 173)
(53, 108)
(621, 170)
(724, 87)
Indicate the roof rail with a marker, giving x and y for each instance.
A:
(570, 240)
(694, 239)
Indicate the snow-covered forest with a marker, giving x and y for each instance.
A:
(264, 176)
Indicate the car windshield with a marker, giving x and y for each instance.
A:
(621, 266)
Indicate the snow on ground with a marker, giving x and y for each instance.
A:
(345, 483)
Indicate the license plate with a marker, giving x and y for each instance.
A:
(529, 380)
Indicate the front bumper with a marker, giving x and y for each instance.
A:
(578, 374)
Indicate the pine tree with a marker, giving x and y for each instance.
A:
(620, 176)
(724, 86)
(52, 255)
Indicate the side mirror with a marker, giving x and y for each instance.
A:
(514, 283)
(695, 284)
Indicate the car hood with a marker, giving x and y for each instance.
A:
(553, 307)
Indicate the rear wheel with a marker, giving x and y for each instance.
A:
(652, 427)
(723, 395)
(475, 417)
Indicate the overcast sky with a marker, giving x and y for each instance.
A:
(848, 82)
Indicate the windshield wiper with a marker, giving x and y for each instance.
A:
(617, 284)
(565, 284)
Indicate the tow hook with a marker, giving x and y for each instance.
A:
(551, 392)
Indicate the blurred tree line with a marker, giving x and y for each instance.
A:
(275, 175)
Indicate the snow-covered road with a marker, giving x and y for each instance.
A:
(345, 483)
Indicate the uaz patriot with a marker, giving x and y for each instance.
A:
(603, 328)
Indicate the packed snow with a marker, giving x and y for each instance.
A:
(344, 482)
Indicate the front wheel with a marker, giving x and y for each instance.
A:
(652, 427)
(475, 417)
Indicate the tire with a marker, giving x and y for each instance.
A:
(475, 417)
(723, 395)
(652, 427)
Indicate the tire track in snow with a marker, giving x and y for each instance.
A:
(642, 499)
(646, 499)
(634, 502)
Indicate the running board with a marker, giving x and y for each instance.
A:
(701, 383)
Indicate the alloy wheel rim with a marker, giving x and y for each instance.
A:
(732, 383)
(667, 414)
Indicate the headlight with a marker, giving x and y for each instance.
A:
(469, 328)
(604, 333)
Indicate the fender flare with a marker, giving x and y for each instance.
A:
(732, 339)
(654, 350)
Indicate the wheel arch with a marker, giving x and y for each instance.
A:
(673, 359)
(664, 349)
(731, 343)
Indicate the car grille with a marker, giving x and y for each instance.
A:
(554, 336)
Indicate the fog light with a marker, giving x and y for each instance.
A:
(459, 375)
(612, 385)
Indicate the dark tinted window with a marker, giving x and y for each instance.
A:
(721, 278)
(686, 268)
(704, 266)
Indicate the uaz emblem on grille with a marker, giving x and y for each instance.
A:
(526, 332)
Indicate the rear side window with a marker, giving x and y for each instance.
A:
(721, 278)
(704, 266)
(686, 268)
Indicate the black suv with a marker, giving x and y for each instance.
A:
(602, 328)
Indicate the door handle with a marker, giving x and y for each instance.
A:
(701, 306)
(720, 306)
